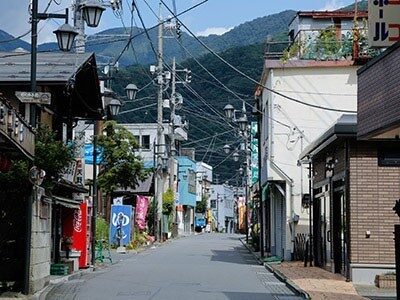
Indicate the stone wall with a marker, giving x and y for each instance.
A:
(40, 246)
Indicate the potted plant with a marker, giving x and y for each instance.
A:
(66, 244)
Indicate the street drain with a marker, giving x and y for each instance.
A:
(134, 293)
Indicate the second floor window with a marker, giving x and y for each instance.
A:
(146, 142)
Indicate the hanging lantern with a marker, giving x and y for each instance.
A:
(92, 11)
(65, 37)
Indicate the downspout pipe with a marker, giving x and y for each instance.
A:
(347, 195)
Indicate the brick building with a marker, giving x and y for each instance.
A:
(354, 187)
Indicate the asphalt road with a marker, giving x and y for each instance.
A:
(208, 266)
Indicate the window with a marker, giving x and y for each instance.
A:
(146, 142)
(389, 157)
(213, 204)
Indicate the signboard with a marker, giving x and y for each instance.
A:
(34, 97)
(383, 22)
(142, 204)
(254, 153)
(120, 224)
(89, 155)
(191, 181)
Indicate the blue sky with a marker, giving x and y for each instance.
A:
(215, 16)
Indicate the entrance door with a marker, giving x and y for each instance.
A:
(339, 233)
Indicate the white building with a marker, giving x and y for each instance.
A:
(289, 126)
(222, 199)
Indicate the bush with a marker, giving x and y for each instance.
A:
(102, 230)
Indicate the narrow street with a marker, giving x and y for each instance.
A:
(208, 266)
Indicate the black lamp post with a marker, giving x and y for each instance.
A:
(229, 111)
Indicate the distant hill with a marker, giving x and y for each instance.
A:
(10, 43)
(109, 43)
(362, 5)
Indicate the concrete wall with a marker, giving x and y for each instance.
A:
(40, 247)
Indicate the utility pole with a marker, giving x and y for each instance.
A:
(173, 99)
(79, 24)
(160, 133)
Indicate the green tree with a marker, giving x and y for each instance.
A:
(201, 207)
(168, 201)
(122, 168)
(51, 155)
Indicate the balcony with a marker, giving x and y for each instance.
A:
(15, 133)
(323, 44)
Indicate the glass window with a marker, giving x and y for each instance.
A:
(146, 142)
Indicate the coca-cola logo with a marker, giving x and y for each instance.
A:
(77, 220)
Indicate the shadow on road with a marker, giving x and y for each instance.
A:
(232, 256)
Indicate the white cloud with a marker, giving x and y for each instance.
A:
(214, 30)
(332, 5)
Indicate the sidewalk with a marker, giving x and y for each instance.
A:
(318, 283)
(313, 282)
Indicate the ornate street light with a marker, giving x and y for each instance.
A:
(227, 148)
(235, 156)
(229, 111)
(65, 37)
(242, 123)
(92, 11)
(241, 171)
(131, 90)
(114, 107)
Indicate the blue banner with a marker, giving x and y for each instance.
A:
(89, 154)
(121, 224)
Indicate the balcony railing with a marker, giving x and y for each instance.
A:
(14, 130)
(323, 44)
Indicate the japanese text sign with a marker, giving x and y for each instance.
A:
(384, 22)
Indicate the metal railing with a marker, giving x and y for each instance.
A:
(15, 130)
(322, 44)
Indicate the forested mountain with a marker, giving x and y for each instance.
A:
(109, 43)
(10, 43)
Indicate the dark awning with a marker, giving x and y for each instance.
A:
(144, 188)
(66, 202)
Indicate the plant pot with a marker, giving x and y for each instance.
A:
(386, 281)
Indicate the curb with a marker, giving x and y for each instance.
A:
(290, 284)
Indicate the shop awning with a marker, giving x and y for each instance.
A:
(144, 188)
(66, 202)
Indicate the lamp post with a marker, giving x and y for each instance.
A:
(242, 124)
(113, 108)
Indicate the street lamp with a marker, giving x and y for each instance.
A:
(241, 171)
(114, 107)
(92, 11)
(65, 37)
(227, 148)
(242, 122)
(229, 111)
(131, 90)
(235, 156)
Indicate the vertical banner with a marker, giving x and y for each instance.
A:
(254, 153)
(120, 224)
(142, 204)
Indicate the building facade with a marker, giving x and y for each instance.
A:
(354, 189)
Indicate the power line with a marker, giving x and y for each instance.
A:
(248, 77)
